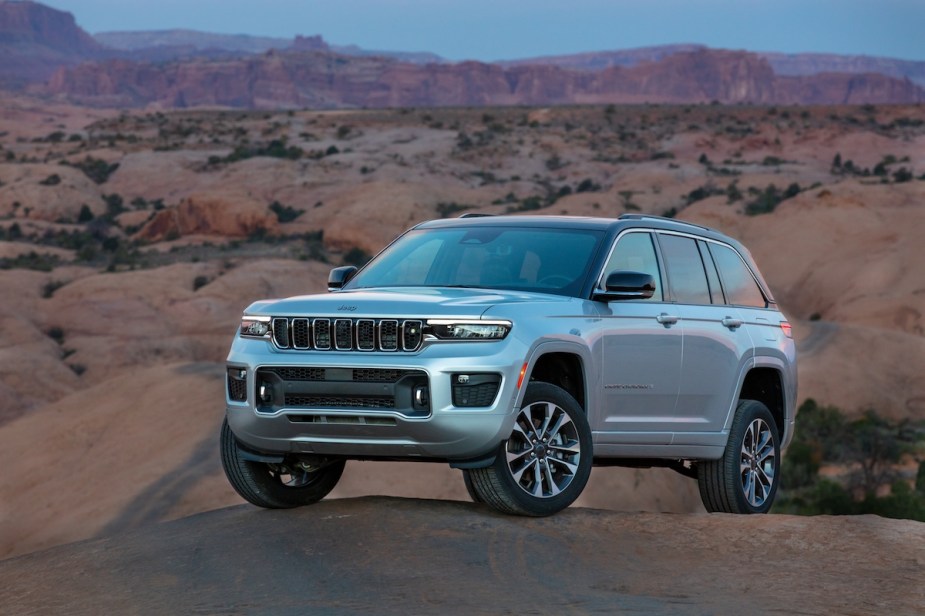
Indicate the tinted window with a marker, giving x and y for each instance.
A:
(716, 291)
(635, 253)
(685, 270)
(546, 260)
(738, 283)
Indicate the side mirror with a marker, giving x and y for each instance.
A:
(339, 276)
(626, 285)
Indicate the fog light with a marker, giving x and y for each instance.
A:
(265, 392)
(421, 396)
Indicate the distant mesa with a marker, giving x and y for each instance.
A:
(45, 52)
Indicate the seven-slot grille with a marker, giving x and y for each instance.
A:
(303, 333)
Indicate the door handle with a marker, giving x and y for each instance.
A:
(732, 323)
(666, 319)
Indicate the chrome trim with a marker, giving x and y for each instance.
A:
(407, 323)
(276, 341)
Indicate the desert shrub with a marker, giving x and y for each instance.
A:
(56, 334)
(85, 215)
(31, 261)
(869, 448)
(199, 282)
(587, 185)
(49, 288)
(356, 256)
(96, 169)
(276, 148)
(446, 209)
(52, 180)
(764, 201)
(285, 213)
(902, 175)
(115, 205)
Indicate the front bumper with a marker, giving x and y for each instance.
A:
(442, 431)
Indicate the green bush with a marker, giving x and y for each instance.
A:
(285, 213)
(869, 449)
(356, 256)
(94, 168)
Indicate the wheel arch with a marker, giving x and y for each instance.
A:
(765, 384)
(562, 364)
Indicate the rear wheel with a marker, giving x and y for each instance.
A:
(290, 483)
(545, 463)
(745, 479)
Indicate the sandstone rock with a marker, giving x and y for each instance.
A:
(227, 215)
(324, 80)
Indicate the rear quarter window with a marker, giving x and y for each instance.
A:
(738, 282)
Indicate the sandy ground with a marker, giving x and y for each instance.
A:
(398, 556)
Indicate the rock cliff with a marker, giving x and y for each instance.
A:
(320, 79)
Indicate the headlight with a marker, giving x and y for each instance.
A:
(255, 327)
(469, 330)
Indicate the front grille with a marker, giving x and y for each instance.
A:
(379, 375)
(361, 375)
(341, 402)
(304, 333)
(302, 388)
(322, 329)
(300, 333)
(299, 374)
(363, 420)
(281, 333)
(343, 334)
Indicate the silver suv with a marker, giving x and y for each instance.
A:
(522, 350)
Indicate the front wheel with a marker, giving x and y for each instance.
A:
(745, 479)
(545, 463)
(288, 484)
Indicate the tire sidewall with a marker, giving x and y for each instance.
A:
(749, 411)
(545, 392)
(252, 481)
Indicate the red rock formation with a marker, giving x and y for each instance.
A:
(35, 40)
(232, 215)
(326, 80)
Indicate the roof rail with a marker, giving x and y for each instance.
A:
(662, 218)
(474, 215)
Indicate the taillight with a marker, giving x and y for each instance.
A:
(785, 327)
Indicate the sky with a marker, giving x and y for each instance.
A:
(507, 29)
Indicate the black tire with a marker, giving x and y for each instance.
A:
(549, 474)
(275, 486)
(745, 479)
(470, 488)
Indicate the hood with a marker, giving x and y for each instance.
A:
(404, 302)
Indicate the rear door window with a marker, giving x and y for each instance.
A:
(686, 275)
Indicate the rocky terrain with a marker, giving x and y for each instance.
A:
(45, 52)
(395, 556)
(130, 242)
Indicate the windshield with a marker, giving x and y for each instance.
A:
(522, 259)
